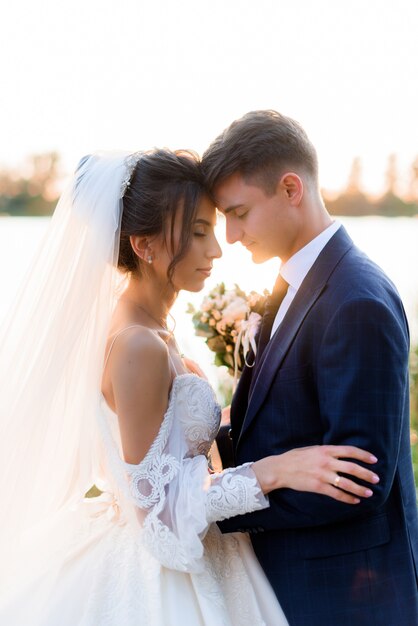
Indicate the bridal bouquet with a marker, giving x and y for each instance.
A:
(229, 319)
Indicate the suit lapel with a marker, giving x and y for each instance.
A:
(306, 296)
(276, 351)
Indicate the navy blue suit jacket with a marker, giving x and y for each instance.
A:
(335, 372)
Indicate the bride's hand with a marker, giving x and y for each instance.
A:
(318, 469)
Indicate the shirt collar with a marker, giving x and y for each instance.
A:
(296, 268)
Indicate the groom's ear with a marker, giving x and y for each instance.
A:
(292, 186)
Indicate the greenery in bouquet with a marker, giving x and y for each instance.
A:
(229, 320)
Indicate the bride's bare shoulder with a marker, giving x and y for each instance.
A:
(139, 346)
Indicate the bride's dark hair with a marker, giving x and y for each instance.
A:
(162, 183)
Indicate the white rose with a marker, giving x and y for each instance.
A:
(236, 310)
(207, 304)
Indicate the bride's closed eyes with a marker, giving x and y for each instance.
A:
(203, 228)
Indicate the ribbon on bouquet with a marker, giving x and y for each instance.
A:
(246, 338)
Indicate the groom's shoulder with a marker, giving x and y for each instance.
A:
(358, 259)
(359, 276)
(360, 289)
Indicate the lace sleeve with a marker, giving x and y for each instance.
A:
(232, 492)
(176, 498)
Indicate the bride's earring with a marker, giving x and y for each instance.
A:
(149, 259)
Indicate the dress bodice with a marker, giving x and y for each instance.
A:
(191, 399)
(198, 412)
(194, 404)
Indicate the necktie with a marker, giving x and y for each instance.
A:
(270, 311)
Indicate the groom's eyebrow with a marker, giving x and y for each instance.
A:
(232, 208)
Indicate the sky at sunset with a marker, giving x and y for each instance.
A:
(87, 74)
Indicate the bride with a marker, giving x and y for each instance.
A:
(95, 392)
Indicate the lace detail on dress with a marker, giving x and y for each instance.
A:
(148, 479)
(156, 469)
(235, 491)
(164, 545)
(201, 416)
(224, 581)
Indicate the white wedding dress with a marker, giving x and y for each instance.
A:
(147, 551)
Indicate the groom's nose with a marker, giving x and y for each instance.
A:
(233, 230)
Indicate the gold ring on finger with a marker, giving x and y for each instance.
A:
(336, 480)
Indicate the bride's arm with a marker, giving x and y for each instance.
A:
(141, 380)
(314, 469)
(311, 469)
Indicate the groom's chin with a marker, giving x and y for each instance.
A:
(258, 257)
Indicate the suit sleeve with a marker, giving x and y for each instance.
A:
(362, 390)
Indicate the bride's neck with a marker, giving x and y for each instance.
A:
(151, 297)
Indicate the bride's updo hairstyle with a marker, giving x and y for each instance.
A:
(162, 183)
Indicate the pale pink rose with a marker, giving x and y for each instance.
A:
(253, 298)
(236, 310)
(207, 304)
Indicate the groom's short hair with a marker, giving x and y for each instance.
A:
(260, 146)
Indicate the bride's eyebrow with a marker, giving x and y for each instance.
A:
(202, 221)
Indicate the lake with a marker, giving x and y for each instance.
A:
(390, 242)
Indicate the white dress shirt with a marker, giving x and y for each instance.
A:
(297, 267)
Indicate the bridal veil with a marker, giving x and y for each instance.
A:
(52, 345)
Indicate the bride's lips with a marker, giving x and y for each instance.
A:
(205, 271)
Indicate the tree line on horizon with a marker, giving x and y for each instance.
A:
(34, 191)
(353, 201)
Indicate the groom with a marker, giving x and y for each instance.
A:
(331, 368)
